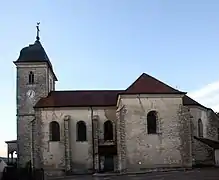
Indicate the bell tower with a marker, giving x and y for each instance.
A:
(35, 79)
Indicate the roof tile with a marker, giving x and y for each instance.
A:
(148, 84)
(79, 98)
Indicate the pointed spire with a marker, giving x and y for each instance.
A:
(38, 31)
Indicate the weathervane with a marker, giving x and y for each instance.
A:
(38, 31)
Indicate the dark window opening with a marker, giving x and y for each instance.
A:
(31, 78)
(200, 128)
(81, 131)
(218, 133)
(108, 130)
(152, 122)
(54, 131)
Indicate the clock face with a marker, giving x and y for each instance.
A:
(30, 94)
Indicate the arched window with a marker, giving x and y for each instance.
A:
(81, 131)
(152, 122)
(200, 128)
(108, 130)
(31, 77)
(54, 131)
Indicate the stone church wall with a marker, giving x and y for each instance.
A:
(212, 126)
(81, 153)
(170, 147)
(199, 113)
(202, 153)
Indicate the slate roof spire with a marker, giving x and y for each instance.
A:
(34, 53)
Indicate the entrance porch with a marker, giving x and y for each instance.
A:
(12, 151)
(107, 158)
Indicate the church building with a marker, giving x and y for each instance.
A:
(148, 125)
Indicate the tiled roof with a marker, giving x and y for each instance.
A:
(187, 101)
(145, 84)
(148, 84)
(79, 98)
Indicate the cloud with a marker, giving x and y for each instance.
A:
(207, 96)
(205, 91)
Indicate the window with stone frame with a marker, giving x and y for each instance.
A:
(200, 128)
(54, 131)
(152, 122)
(31, 77)
(108, 130)
(81, 131)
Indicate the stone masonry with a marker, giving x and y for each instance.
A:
(67, 144)
(185, 136)
(212, 125)
(202, 153)
(37, 156)
(171, 147)
(25, 111)
(95, 133)
(121, 144)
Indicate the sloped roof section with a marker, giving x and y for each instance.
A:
(34, 53)
(209, 142)
(187, 101)
(79, 98)
(147, 84)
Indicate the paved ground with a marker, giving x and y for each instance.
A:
(197, 174)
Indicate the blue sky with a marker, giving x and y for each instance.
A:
(107, 44)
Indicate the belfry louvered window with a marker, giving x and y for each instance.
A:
(31, 77)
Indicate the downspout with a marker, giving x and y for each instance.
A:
(93, 139)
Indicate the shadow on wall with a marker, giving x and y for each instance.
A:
(80, 169)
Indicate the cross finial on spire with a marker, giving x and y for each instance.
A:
(38, 31)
